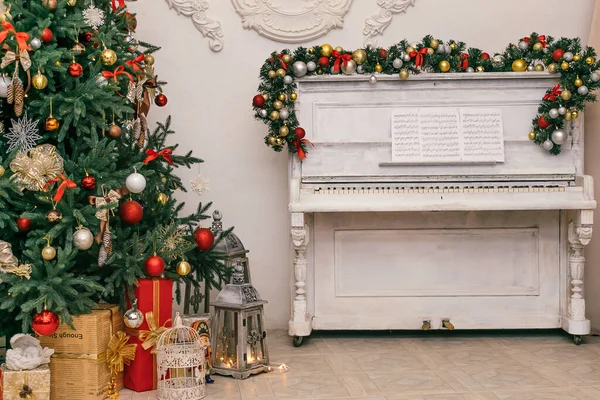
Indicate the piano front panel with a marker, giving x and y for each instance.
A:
(491, 270)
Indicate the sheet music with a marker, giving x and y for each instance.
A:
(447, 135)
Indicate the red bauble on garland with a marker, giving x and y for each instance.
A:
(485, 56)
(75, 70)
(160, 100)
(88, 182)
(557, 54)
(258, 100)
(300, 133)
(46, 35)
(204, 238)
(131, 212)
(542, 123)
(383, 53)
(154, 265)
(45, 323)
(324, 61)
(24, 224)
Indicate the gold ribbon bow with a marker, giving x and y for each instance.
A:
(150, 338)
(119, 353)
(7, 259)
(34, 170)
(10, 57)
(112, 198)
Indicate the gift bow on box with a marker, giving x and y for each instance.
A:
(150, 338)
(119, 353)
(21, 388)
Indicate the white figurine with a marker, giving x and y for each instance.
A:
(26, 353)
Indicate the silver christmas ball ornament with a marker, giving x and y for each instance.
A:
(397, 63)
(523, 45)
(470, 69)
(568, 56)
(300, 68)
(334, 72)
(133, 318)
(530, 68)
(547, 145)
(447, 49)
(36, 43)
(263, 113)
(406, 57)
(5, 82)
(559, 136)
(562, 110)
(553, 113)
(284, 113)
(132, 43)
(595, 76)
(498, 60)
(288, 80)
(311, 66)
(441, 49)
(135, 182)
(372, 79)
(350, 68)
(101, 81)
(360, 69)
(582, 90)
(83, 239)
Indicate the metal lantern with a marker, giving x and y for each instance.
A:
(180, 363)
(233, 250)
(239, 331)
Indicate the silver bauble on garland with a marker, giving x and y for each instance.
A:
(583, 90)
(553, 113)
(300, 68)
(559, 136)
(350, 68)
(397, 63)
(133, 318)
(547, 145)
(311, 66)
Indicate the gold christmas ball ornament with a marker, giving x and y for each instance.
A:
(108, 57)
(359, 56)
(286, 58)
(553, 68)
(537, 46)
(48, 253)
(278, 105)
(272, 74)
(57, 63)
(278, 141)
(453, 46)
(311, 50)
(378, 68)
(274, 115)
(326, 50)
(114, 131)
(564, 66)
(294, 96)
(568, 116)
(565, 95)
(404, 74)
(589, 60)
(162, 199)
(577, 57)
(434, 43)
(444, 66)
(574, 114)
(78, 48)
(51, 4)
(578, 82)
(284, 130)
(51, 124)
(480, 68)
(430, 50)
(531, 135)
(183, 268)
(149, 59)
(339, 49)
(271, 140)
(2, 170)
(281, 72)
(39, 81)
(265, 96)
(282, 97)
(519, 65)
(410, 49)
(538, 67)
(53, 216)
(71, 3)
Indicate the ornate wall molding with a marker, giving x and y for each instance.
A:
(292, 21)
(376, 24)
(196, 9)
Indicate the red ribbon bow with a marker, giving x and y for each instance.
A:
(21, 37)
(114, 4)
(153, 155)
(542, 40)
(419, 56)
(339, 57)
(555, 92)
(283, 64)
(301, 152)
(66, 183)
(135, 63)
(464, 61)
(120, 70)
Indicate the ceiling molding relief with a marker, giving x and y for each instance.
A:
(292, 21)
(376, 24)
(196, 10)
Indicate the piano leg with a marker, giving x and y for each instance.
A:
(580, 234)
(300, 324)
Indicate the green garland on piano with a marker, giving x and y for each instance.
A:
(577, 66)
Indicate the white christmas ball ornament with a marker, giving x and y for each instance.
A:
(5, 81)
(311, 66)
(372, 79)
(36, 43)
(300, 68)
(568, 56)
(559, 136)
(101, 81)
(447, 49)
(284, 113)
(470, 69)
(360, 69)
(263, 113)
(397, 63)
(547, 145)
(523, 45)
(553, 113)
(288, 80)
(530, 68)
(135, 182)
(582, 90)
(83, 239)
(350, 68)
(562, 110)
(406, 57)
(595, 76)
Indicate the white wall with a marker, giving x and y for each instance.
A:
(210, 101)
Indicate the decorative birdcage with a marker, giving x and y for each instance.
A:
(180, 363)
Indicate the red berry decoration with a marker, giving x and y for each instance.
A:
(542, 123)
(86, 37)
(46, 35)
(154, 265)
(160, 100)
(131, 212)
(24, 224)
(383, 53)
(300, 133)
(45, 323)
(75, 69)
(485, 56)
(258, 101)
(324, 61)
(557, 54)
(204, 238)
(88, 182)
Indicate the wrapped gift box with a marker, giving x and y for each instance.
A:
(18, 385)
(155, 301)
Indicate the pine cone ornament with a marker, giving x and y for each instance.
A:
(105, 248)
(19, 96)
(143, 130)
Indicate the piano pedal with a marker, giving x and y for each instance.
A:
(426, 325)
(447, 324)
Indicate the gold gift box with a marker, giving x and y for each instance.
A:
(18, 385)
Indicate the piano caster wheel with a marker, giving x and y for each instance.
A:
(577, 339)
(447, 324)
(426, 325)
(297, 341)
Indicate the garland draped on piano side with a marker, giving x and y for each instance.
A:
(577, 66)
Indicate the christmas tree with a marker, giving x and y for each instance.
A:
(86, 188)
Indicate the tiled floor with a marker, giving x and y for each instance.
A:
(432, 366)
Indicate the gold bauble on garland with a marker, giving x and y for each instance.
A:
(444, 66)
(378, 68)
(71, 3)
(149, 59)
(589, 60)
(564, 65)
(568, 116)
(271, 74)
(453, 46)
(565, 95)
(284, 130)
(553, 68)
(430, 50)
(531, 135)
(286, 58)
(519, 65)
(311, 50)
(281, 72)
(539, 67)
(574, 114)
(293, 96)
(278, 105)
(183, 268)
(404, 74)
(577, 57)
(162, 199)
(434, 44)
(339, 49)
(537, 46)
(278, 141)
(282, 97)
(326, 50)
(578, 82)
(359, 56)
(271, 140)
(410, 49)
(274, 115)
(480, 68)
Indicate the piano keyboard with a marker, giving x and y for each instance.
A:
(436, 189)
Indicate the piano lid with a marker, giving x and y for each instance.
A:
(349, 122)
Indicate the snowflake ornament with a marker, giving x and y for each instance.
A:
(93, 16)
(23, 134)
(200, 184)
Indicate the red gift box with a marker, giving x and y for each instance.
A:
(155, 301)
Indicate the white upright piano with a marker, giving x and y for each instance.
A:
(384, 245)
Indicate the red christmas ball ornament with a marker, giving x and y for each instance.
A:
(131, 21)
(24, 224)
(46, 35)
(300, 133)
(88, 182)
(258, 100)
(75, 69)
(45, 323)
(324, 61)
(542, 123)
(131, 212)
(154, 266)
(86, 37)
(485, 56)
(204, 238)
(383, 53)
(161, 100)
(557, 54)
